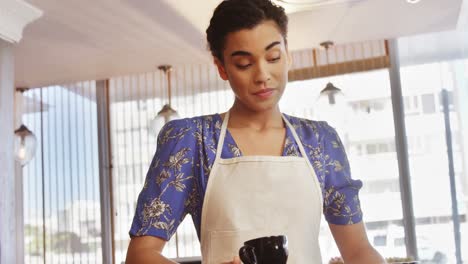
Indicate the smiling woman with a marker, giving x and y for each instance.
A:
(247, 173)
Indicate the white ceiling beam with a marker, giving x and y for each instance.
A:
(14, 16)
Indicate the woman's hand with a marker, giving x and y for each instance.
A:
(235, 261)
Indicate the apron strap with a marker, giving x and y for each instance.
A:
(304, 155)
(222, 136)
(296, 137)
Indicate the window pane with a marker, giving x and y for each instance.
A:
(69, 206)
(367, 132)
(134, 101)
(428, 103)
(429, 161)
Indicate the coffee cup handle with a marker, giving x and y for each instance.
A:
(247, 255)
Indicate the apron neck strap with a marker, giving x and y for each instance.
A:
(296, 137)
(222, 136)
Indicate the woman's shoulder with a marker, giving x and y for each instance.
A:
(191, 122)
(190, 127)
(309, 126)
(300, 121)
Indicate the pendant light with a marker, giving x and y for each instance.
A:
(330, 93)
(167, 113)
(25, 140)
(331, 104)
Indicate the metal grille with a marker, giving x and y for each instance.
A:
(61, 195)
(134, 101)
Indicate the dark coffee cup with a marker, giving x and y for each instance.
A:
(265, 250)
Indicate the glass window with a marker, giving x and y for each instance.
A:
(411, 105)
(428, 103)
(380, 240)
(399, 241)
(134, 101)
(428, 157)
(364, 133)
(66, 167)
(371, 148)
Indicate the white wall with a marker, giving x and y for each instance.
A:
(7, 163)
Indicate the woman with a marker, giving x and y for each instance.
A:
(252, 171)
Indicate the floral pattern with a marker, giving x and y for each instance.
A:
(177, 177)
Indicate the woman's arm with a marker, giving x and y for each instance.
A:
(161, 204)
(353, 244)
(146, 249)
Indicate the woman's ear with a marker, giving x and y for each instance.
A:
(221, 69)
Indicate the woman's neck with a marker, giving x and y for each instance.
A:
(242, 117)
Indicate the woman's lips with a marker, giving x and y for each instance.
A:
(265, 93)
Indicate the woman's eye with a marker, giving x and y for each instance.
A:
(275, 59)
(243, 66)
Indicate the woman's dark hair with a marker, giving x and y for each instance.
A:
(234, 15)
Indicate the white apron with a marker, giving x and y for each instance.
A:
(253, 196)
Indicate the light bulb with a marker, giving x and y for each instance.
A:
(22, 152)
(25, 145)
(165, 115)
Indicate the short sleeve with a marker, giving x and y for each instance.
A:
(341, 201)
(165, 198)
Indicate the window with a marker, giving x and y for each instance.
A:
(380, 240)
(399, 241)
(369, 140)
(411, 104)
(70, 200)
(428, 103)
(428, 159)
(133, 145)
(371, 149)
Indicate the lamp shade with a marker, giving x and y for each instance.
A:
(25, 145)
(331, 94)
(332, 106)
(165, 115)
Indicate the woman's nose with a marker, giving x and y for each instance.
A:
(262, 75)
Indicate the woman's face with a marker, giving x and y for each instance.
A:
(256, 63)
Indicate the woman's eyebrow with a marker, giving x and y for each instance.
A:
(246, 53)
(271, 45)
(241, 53)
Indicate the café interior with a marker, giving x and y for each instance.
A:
(86, 86)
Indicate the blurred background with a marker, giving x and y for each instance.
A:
(82, 78)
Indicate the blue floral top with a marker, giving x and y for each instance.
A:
(177, 178)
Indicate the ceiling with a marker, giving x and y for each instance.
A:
(89, 39)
